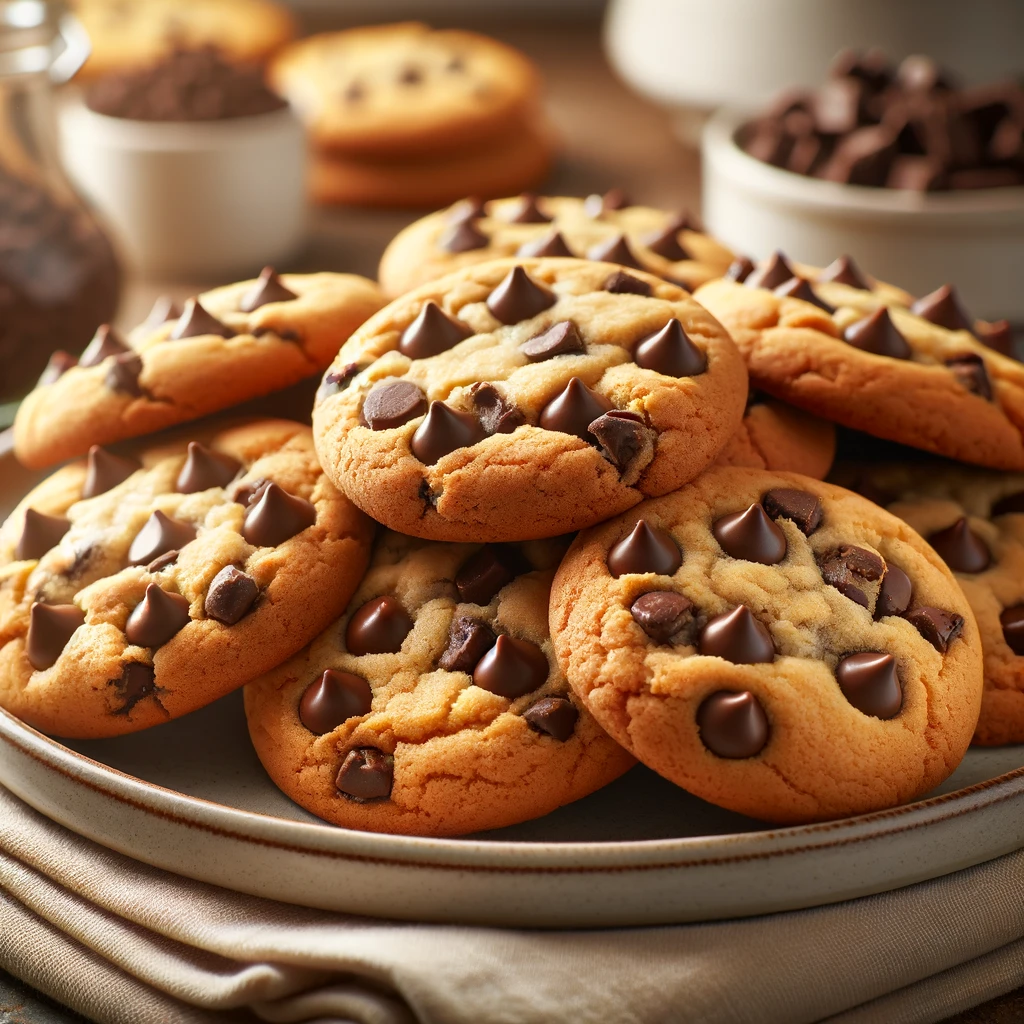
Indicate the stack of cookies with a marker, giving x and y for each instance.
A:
(542, 526)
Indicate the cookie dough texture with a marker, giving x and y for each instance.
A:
(465, 759)
(417, 254)
(823, 757)
(795, 351)
(934, 497)
(134, 34)
(272, 347)
(531, 482)
(304, 582)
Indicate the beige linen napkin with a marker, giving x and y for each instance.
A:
(125, 943)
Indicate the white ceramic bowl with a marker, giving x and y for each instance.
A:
(971, 239)
(196, 199)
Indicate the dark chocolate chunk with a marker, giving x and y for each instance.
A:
(332, 699)
(669, 351)
(366, 774)
(165, 308)
(870, 682)
(943, 307)
(205, 468)
(551, 244)
(623, 437)
(552, 716)
(137, 681)
(393, 404)
(231, 595)
(123, 374)
(1011, 503)
(560, 339)
(848, 568)
(159, 534)
(877, 334)
(519, 297)
(646, 549)
(105, 470)
(615, 250)
(487, 571)
(444, 430)
(196, 322)
(733, 724)
(895, 594)
(267, 288)
(106, 342)
(59, 364)
(336, 381)
(844, 271)
(666, 244)
(526, 211)
(800, 288)
(574, 409)
(621, 283)
(276, 517)
(496, 413)
(378, 627)
(156, 618)
(750, 536)
(939, 628)
(1012, 621)
(970, 372)
(432, 332)
(961, 548)
(597, 205)
(775, 272)
(50, 628)
(462, 236)
(740, 269)
(39, 534)
(511, 668)
(802, 507)
(662, 613)
(469, 640)
(737, 636)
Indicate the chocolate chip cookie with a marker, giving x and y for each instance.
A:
(434, 705)
(975, 520)
(854, 355)
(226, 346)
(608, 228)
(774, 644)
(135, 591)
(526, 398)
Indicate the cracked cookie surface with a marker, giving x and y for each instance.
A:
(134, 593)
(434, 705)
(239, 342)
(774, 644)
(526, 398)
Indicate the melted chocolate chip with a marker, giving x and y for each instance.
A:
(496, 413)
(39, 534)
(1011, 503)
(733, 724)
(740, 269)
(848, 568)
(737, 636)
(156, 618)
(800, 288)
(106, 342)
(59, 364)
(552, 716)
(623, 438)
(519, 297)
(877, 333)
(560, 339)
(751, 536)
(1012, 621)
(574, 409)
(615, 250)
(137, 681)
(487, 571)
(231, 595)
(462, 236)
(549, 245)
(393, 404)
(845, 271)
(666, 244)
(802, 507)
(366, 774)
(870, 682)
(159, 535)
(961, 548)
(670, 352)
(939, 628)
(469, 640)
(775, 272)
(443, 431)
(205, 468)
(267, 288)
(895, 594)
(432, 332)
(336, 381)
(621, 283)
(970, 371)
(196, 322)
(527, 211)
(332, 699)
(511, 668)
(378, 627)
(276, 517)
(662, 613)
(645, 549)
(123, 375)
(50, 628)
(597, 205)
(942, 307)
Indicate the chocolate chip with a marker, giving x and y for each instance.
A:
(245, 492)
(560, 339)
(378, 627)
(462, 236)
(123, 375)
(196, 322)
(802, 507)
(775, 272)
(939, 628)
(669, 351)
(432, 332)
(156, 618)
(942, 307)
(733, 724)
(877, 334)
(961, 548)
(621, 283)
(105, 470)
(166, 559)
(469, 640)
(750, 536)
(837, 106)
(366, 774)
(50, 628)
(106, 342)
(487, 571)
(844, 271)
(267, 288)
(519, 297)
(646, 549)
(1012, 621)
(496, 413)
(740, 269)
(800, 288)
(336, 381)
(863, 157)
(574, 409)
(614, 250)
(970, 372)
(552, 716)
(848, 568)
(662, 613)
(333, 699)
(737, 636)
(895, 593)
(870, 682)
(410, 75)
(918, 173)
(39, 534)
(1011, 503)
(205, 468)
(996, 335)
(526, 211)
(511, 668)
(165, 308)
(231, 595)
(444, 430)
(159, 534)
(597, 205)
(393, 404)
(666, 244)
(550, 245)
(464, 210)
(137, 681)
(276, 517)
(623, 439)
(59, 364)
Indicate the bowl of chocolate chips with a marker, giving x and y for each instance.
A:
(899, 166)
(195, 164)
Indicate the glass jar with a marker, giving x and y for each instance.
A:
(59, 277)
